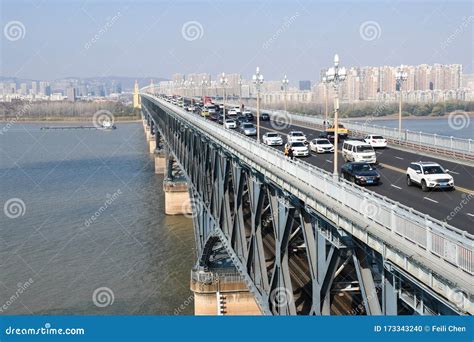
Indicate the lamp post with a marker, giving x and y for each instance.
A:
(240, 92)
(203, 85)
(224, 83)
(401, 76)
(336, 75)
(325, 82)
(258, 81)
(191, 85)
(284, 83)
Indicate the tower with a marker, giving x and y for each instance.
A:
(136, 97)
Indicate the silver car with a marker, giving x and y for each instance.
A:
(248, 129)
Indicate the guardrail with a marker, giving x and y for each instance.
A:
(457, 147)
(424, 233)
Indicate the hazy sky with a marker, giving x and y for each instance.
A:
(43, 39)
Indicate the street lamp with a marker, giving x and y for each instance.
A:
(224, 83)
(191, 84)
(203, 85)
(258, 81)
(284, 83)
(325, 82)
(401, 76)
(336, 75)
(240, 91)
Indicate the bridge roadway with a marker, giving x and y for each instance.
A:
(453, 207)
(392, 166)
(299, 269)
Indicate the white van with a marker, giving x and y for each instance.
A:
(358, 151)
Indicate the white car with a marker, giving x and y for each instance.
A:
(296, 136)
(272, 139)
(321, 145)
(376, 141)
(230, 124)
(232, 112)
(237, 109)
(247, 112)
(191, 108)
(300, 149)
(429, 176)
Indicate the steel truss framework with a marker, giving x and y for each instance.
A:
(292, 259)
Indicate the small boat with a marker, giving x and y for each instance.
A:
(108, 125)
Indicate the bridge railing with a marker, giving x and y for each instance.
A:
(459, 147)
(426, 234)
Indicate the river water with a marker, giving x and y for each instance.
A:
(83, 230)
(460, 127)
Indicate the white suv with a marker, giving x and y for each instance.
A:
(429, 175)
(296, 136)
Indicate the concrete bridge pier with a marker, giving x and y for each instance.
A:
(221, 292)
(175, 187)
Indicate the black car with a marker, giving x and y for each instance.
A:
(242, 119)
(213, 117)
(327, 135)
(221, 119)
(360, 173)
(265, 117)
(249, 116)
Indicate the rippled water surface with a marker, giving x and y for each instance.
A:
(85, 215)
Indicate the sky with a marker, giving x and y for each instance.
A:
(46, 39)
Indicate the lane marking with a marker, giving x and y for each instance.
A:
(395, 186)
(329, 161)
(472, 215)
(456, 173)
(429, 199)
(399, 158)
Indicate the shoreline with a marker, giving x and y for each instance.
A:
(395, 117)
(63, 121)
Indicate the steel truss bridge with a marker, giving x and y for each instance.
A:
(304, 242)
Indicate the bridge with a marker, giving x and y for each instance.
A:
(276, 236)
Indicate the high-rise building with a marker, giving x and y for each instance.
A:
(34, 88)
(305, 85)
(71, 94)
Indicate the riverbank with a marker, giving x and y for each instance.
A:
(409, 117)
(120, 119)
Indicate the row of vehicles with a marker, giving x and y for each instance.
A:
(358, 153)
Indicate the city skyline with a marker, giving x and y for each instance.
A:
(297, 39)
